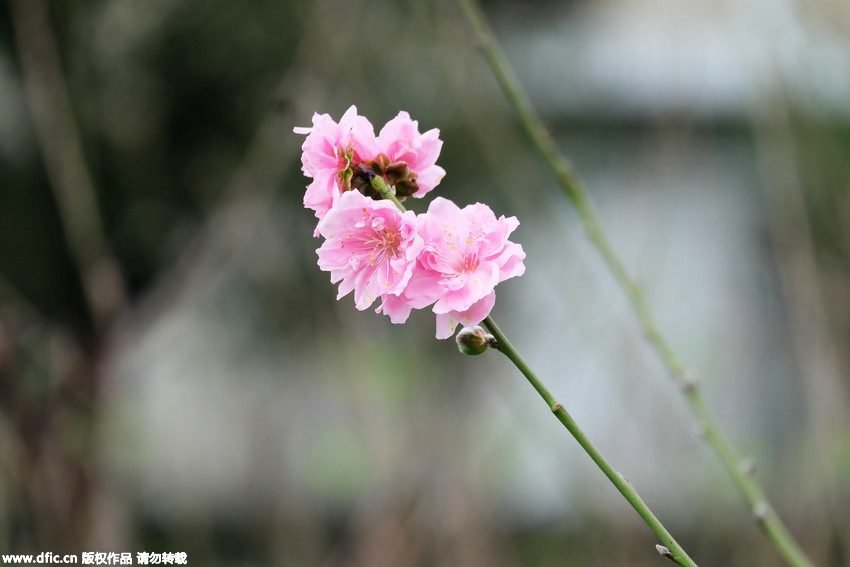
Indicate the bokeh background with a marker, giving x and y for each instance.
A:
(176, 375)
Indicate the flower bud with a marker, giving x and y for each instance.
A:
(361, 181)
(360, 177)
(406, 188)
(473, 340)
(397, 171)
(380, 163)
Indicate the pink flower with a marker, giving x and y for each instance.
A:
(478, 311)
(371, 247)
(449, 257)
(400, 140)
(328, 154)
(467, 252)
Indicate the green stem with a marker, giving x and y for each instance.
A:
(378, 184)
(673, 550)
(741, 474)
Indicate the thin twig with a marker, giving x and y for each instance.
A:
(813, 344)
(61, 148)
(674, 551)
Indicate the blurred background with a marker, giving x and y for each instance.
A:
(176, 375)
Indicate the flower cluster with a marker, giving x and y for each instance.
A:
(449, 258)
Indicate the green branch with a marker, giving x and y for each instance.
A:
(767, 518)
(379, 185)
(671, 548)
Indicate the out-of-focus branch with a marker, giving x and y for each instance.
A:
(767, 518)
(782, 186)
(250, 191)
(813, 344)
(61, 148)
(59, 488)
